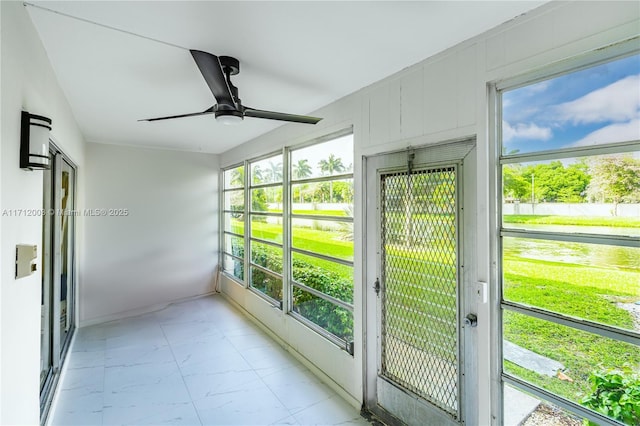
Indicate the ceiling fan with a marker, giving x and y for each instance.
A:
(217, 72)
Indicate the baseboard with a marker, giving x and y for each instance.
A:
(138, 311)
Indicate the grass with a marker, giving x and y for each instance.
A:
(616, 222)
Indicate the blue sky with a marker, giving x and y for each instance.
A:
(596, 105)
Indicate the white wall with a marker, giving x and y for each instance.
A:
(166, 247)
(442, 98)
(27, 82)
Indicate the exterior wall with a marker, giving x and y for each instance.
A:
(164, 248)
(573, 209)
(27, 82)
(442, 98)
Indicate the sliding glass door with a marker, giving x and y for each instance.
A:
(58, 280)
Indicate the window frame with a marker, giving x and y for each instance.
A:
(224, 232)
(287, 216)
(497, 161)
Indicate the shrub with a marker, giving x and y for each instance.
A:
(616, 394)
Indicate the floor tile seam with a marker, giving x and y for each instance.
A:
(191, 400)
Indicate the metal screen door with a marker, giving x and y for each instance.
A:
(419, 283)
(420, 361)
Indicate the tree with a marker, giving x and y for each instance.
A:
(615, 179)
(301, 170)
(330, 166)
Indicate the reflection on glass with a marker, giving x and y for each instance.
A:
(595, 195)
(335, 319)
(234, 266)
(326, 237)
(331, 278)
(234, 200)
(569, 356)
(266, 171)
(591, 281)
(234, 245)
(323, 159)
(267, 256)
(234, 222)
(594, 106)
(327, 198)
(66, 273)
(268, 228)
(266, 283)
(234, 178)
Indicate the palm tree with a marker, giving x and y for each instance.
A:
(330, 166)
(301, 170)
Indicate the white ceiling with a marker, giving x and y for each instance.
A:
(294, 57)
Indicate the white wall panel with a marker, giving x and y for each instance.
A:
(466, 86)
(440, 102)
(412, 103)
(529, 38)
(166, 247)
(380, 116)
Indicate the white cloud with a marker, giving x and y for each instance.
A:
(618, 102)
(525, 131)
(617, 132)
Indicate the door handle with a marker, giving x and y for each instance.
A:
(376, 286)
(471, 320)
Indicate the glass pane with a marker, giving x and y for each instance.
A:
(268, 228)
(594, 106)
(597, 195)
(234, 266)
(331, 198)
(335, 319)
(234, 245)
(521, 408)
(267, 199)
(234, 178)
(268, 170)
(266, 283)
(234, 200)
(567, 361)
(67, 190)
(323, 159)
(326, 237)
(234, 222)
(590, 281)
(267, 256)
(331, 278)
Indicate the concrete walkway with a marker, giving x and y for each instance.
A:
(518, 405)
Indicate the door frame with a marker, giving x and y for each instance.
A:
(461, 152)
(52, 270)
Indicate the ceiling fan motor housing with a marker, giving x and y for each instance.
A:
(230, 66)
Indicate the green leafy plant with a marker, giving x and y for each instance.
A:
(616, 394)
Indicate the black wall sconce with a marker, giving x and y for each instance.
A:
(34, 141)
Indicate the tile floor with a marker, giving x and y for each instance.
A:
(194, 363)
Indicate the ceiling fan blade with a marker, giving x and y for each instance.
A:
(192, 114)
(271, 115)
(211, 70)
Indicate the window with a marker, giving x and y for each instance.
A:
(321, 192)
(266, 226)
(570, 240)
(299, 232)
(233, 213)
